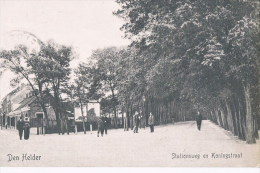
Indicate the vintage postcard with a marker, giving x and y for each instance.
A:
(129, 83)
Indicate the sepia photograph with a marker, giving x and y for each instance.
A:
(130, 83)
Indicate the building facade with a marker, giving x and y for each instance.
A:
(22, 103)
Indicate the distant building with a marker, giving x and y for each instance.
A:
(22, 103)
(8, 105)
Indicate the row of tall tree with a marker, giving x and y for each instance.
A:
(185, 56)
(203, 53)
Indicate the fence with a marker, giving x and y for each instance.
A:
(68, 126)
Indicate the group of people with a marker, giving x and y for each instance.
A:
(137, 120)
(103, 123)
(23, 127)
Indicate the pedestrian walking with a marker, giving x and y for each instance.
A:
(199, 120)
(26, 128)
(125, 124)
(100, 127)
(143, 120)
(106, 124)
(136, 122)
(62, 122)
(140, 117)
(20, 126)
(151, 122)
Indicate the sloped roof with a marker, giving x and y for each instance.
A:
(26, 102)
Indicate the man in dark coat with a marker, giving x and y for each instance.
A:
(19, 126)
(106, 123)
(136, 122)
(199, 120)
(100, 127)
(151, 122)
(26, 128)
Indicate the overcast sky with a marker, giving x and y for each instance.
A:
(85, 25)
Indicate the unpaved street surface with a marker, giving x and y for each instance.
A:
(120, 148)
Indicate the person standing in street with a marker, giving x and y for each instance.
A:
(105, 121)
(100, 127)
(19, 126)
(141, 121)
(151, 122)
(136, 122)
(199, 120)
(26, 128)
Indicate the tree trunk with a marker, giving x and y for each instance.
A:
(243, 120)
(114, 109)
(127, 117)
(45, 114)
(160, 114)
(131, 117)
(229, 118)
(83, 118)
(58, 120)
(256, 128)
(114, 104)
(67, 127)
(122, 111)
(217, 117)
(42, 104)
(223, 119)
(235, 117)
(250, 137)
(240, 124)
(220, 114)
